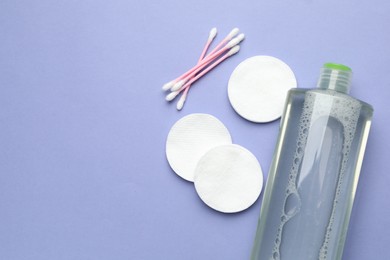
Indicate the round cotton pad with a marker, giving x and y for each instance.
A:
(190, 138)
(228, 178)
(258, 88)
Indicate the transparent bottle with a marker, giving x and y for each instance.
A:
(314, 174)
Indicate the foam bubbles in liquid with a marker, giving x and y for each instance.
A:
(346, 110)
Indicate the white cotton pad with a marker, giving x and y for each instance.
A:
(258, 87)
(228, 178)
(190, 138)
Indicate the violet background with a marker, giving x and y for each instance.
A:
(83, 121)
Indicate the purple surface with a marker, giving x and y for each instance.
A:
(83, 122)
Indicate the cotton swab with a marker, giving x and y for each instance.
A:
(186, 87)
(226, 48)
(212, 53)
(180, 81)
(171, 96)
(212, 34)
(174, 94)
(207, 61)
(231, 52)
(168, 85)
(182, 99)
(230, 36)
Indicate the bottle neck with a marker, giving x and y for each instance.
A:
(335, 79)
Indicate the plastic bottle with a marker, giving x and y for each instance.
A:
(314, 174)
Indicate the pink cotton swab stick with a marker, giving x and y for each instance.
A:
(212, 34)
(232, 33)
(230, 36)
(231, 52)
(173, 94)
(206, 61)
(224, 41)
(186, 87)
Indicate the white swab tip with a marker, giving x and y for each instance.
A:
(168, 85)
(171, 96)
(241, 37)
(233, 43)
(233, 33)
(178, 85)
(213, 33)
(180, 104)
(233, 50)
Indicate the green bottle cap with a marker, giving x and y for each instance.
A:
(335, 66)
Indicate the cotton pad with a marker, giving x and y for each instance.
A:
(258, 87)
(228, 178)
(190, 138)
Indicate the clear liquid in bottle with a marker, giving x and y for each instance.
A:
(314, 173)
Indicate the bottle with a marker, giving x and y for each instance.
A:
(314, 174)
